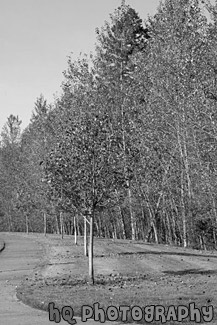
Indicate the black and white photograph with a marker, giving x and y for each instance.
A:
(108, 162)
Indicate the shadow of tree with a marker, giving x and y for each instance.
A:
(191, 271)
(166, 253)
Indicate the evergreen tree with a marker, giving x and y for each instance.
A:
(117, 41)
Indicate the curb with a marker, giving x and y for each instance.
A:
(2, 245)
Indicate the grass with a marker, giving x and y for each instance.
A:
(125, 274)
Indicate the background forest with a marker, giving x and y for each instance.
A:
(131, 140)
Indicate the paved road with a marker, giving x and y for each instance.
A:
(17, 260)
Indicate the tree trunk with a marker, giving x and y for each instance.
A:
(155, 232)
(115, 231)
(183, 212)
(214, 208)
(85, 237)
(91, 272)
(97, 228)
(152, 224)
(184, 170)
(214, 237)
(151, 213)
(27, 224)
(167, 223)
(61, 224)
(132, 217)
(45, 223)
(107, 232)
(8, 214)
(100, 227)
(75, 231)
(173, 226)
(57, 225)
(202, 242)
(121, 215)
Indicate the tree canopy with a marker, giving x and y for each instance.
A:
(132, 138)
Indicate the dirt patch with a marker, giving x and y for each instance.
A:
(126, 273)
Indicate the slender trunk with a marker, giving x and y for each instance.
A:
(189, 188)
(115, 231)
(85, 237)
(45, 223)
(9, 225)
(91, 272)
(187, 169)
(120, 229)
(107, 232)
(175, 224)
(183, 212)
(149, 234)
(132, 217)
(27, 224)
(75, 231)
(183, 209)
(121, 215)
(100, 227)
(201, 243)
(65, 228)
(167, 223)
(174, 227)
(123, 228)
(214, 237)
(61, 224)
(8, 214)
(169, 228)
(164, 230)
(214, 207)
(78, 230)
(152, 224)
(57, 225)
(97, 227)
(10, 220)
(151, 213)
(143, 222)
(155, 233)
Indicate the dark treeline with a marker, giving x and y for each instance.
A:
(132, 139)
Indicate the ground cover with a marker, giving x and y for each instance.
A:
(126, 273)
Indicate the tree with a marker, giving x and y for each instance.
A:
(170, 76)
(117, 42)
(11, 131)
(78, 167)
(9, 167)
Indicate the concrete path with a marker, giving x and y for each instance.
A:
(20, 256)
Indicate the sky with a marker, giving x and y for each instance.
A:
(37, 36)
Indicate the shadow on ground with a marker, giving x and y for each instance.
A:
(191, 271)
(163, 253)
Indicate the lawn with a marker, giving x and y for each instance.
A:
(126, 274)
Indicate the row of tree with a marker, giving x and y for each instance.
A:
(130, 145)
